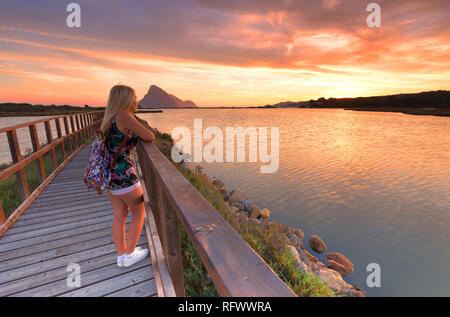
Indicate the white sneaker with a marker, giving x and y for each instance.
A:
(120, 260)
(121, 257)
(133, 258)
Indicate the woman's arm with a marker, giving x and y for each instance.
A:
(126, 121)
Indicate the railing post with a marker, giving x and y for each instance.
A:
(69, 139)
(73, 130)
(36, 147)
(2, 214)
(17, 157)
(48, 131)
(59, 131)
(170, 241)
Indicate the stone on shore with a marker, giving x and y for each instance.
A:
(237, 195)
(265, 214)
(218, 183)
(295, 239)
(239, 206)
(339, 263)
(247, 204)
(234, 210)
(310, 256)
(254, 212)
(317, 244)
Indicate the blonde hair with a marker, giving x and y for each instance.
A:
(121, 98)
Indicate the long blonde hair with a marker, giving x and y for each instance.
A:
(121, 98)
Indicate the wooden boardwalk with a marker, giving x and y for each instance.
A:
(67, 224)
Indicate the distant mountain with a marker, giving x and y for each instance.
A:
(439, 99)
(158, 98)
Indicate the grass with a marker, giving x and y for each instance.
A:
(267, 240)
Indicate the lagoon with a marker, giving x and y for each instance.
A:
(374, 185)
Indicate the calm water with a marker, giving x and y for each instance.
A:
(374, 186)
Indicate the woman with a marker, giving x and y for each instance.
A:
(125, 191)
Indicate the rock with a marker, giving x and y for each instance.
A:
(247, 204)
(294, 239)
(218, 183)
(234, 210)
(237, 195)
(254, 212)
(254, 222)
(158, 98)
(317, 244)
(307, 263)
(335, 282)
(265, 214)
(238, 206)
(198, 170)
(310, 256)
(298, 262)
(339, 263)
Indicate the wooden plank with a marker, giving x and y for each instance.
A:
(235, 268)
(77, 201)
(70, 199)
(144, 289)
(30, 283)
(62, 261)
(89, 279)
(75, 190)
(29, 234)
(113, 284)
(50, 216)
(37, 258)
(15, 244)
(57, 222)
(53, 244)
(46, 212)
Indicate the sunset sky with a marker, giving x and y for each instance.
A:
(222, 52)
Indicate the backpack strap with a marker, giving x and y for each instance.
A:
(116, 156)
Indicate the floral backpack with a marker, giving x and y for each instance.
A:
(97, 174)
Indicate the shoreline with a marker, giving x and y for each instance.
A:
(278, 244)
(438, 112)
(330, 274)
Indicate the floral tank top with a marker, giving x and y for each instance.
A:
(124, 173)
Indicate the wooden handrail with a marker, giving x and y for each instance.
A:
(90, 123)
(235, 268)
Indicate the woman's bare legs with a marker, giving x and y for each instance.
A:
(134, 200)
(118, 225)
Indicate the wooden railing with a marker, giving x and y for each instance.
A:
(82, 125)
(234, 267)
